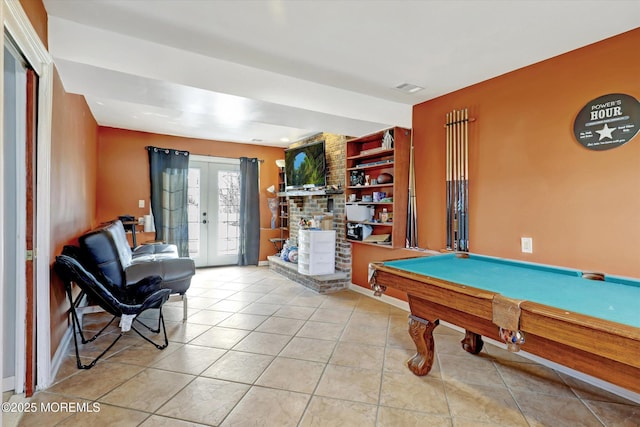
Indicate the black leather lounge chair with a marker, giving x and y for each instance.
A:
(124, 303)
(107, 250)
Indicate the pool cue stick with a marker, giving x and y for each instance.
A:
(407, 237)
(453, 180)
(407, 234)
(461, 187)
(457, 128)
(453, 193)
(461, 162)
(460, 201)
(456, 193)
(466, 177)
(460, 180)
(410, 238)
(448, 178)
(414, 207)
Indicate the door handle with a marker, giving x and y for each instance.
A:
(204, 221)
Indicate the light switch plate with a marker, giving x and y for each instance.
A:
(527, 245)
(141, 203)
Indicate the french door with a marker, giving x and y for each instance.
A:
(213, 210)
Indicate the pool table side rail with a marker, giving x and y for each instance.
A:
(598, 347)
(612, 340)
(590, 362)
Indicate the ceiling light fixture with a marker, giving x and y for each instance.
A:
(409, 88)
(285, 139)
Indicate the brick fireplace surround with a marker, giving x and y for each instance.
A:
(309, 205)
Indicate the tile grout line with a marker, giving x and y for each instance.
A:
(253, 384)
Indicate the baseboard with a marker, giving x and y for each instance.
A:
(263, 263)
(8, 384)
(604, 385)
(60, 353)
(398, 303)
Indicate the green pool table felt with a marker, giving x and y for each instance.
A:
(616, 299)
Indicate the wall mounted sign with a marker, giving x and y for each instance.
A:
(607, 122)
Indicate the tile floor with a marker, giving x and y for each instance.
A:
(260, 350)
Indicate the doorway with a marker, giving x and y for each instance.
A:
(19, 31)
(13, 198)
(213, 210)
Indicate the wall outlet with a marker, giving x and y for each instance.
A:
(526, 245)
(141, 203)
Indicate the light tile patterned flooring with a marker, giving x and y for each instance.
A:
(260, 350)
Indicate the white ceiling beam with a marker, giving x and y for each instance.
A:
(79, 43)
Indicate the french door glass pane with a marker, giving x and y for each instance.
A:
(193, 211)
(228, 212)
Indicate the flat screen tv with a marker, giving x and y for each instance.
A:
(305, 166)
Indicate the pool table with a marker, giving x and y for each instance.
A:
(589, 322)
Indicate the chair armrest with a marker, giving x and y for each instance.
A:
(167, 268)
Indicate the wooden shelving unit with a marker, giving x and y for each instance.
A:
(283, 214)
(283, 207)
(366, 160)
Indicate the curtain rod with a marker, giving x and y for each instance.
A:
(150, 147)
(233, 158)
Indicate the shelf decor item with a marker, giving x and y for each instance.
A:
(273, 203)
(356, 178)
(387, 139)
(378, 196)
(385, 178)
(359, 213)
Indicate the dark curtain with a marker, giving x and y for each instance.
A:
(168, 172)
(249, 245)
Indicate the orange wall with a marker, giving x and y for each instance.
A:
(73, 187)
(38, 16)
(123, 171)
(528, 175)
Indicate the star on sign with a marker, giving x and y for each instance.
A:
(605, 132)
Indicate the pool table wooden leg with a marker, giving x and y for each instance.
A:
(421, 332)
(472, 342)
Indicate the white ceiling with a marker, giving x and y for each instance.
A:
(265, 70)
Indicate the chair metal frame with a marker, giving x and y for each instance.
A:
(72, 272)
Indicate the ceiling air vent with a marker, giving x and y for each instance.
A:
(409, 88)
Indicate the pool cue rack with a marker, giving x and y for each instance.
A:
(457, 179)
